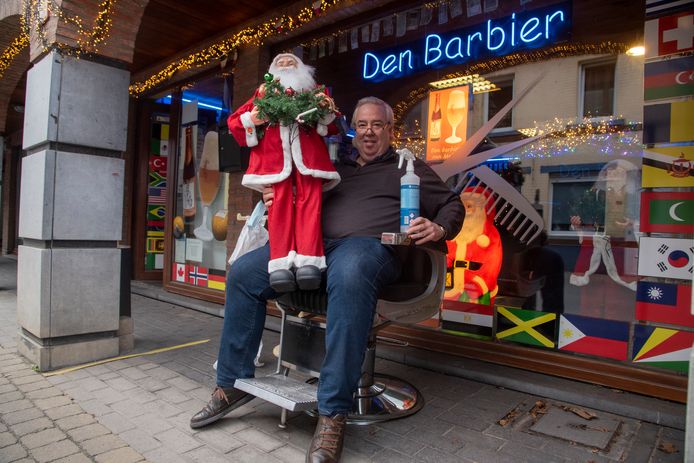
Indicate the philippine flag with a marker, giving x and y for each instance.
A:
(593, 336)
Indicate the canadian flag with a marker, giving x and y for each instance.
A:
(179, 272)
(670, 34)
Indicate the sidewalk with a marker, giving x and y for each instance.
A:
(135, 409)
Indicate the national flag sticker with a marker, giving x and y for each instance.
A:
(467, 319)
(667, 212)
(664, 303)
(197, 275)
(593, 336)
(179, 272)
(526, 326)
(666, 257)
(662, 347)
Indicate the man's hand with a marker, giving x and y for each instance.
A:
(424, 230)
(268, 195)
(255, 118)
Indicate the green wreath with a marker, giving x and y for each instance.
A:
(278, 105)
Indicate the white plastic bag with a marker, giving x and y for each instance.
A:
(253, 235)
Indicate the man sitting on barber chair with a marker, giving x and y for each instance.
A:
(365, 204)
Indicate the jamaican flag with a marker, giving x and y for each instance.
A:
(526, 326)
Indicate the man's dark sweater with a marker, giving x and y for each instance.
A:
(366, 202)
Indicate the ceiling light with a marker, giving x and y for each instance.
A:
(636, 51)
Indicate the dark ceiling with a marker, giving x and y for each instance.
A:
(171, 26)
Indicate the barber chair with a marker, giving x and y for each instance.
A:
(415, 297)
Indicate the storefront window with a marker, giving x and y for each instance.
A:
(499, 98)
(200, 221)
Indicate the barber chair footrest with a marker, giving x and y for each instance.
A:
(286, 392)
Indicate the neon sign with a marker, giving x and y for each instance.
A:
(497, 37)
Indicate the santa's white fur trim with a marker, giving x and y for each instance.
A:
(327, 119)
(283, 263)
(251, 136)
(301, 261)
(297, 156)
(322, 129)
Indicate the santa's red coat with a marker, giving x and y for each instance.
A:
(280, 148)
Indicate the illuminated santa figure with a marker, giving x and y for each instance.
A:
(291, 156)
(476, 253)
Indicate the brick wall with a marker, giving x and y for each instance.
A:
(9, 30)
(120, 40)
(252, 63)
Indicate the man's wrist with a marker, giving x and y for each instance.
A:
(443, 231)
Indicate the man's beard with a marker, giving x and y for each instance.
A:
(300, 79)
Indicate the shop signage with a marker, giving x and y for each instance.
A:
(495, 37)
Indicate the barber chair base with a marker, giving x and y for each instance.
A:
(389, 398)
(288, 393)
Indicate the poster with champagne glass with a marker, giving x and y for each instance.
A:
(447, 121)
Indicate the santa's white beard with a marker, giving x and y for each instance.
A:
(473, 226)
(300, 79)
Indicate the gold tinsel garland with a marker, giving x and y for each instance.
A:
(10, 53)
(514, 59)
(253, 36)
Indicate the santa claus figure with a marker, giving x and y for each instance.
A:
(293, 158)
(476, 253)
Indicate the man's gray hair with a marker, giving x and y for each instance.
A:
(374, 101)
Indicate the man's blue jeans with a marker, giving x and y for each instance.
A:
(357, 269)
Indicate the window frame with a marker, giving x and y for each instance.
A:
(582, 86)
(485, 106)
(554, 179)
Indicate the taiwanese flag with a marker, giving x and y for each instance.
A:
(664, 303)
(593, 336)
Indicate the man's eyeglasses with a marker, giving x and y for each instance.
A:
(376, 127)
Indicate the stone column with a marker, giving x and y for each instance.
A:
(71, 209)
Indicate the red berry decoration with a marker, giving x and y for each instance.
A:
(289, 91)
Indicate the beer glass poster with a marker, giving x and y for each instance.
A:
(447, 121)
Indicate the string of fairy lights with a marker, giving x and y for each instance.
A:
(249, 36)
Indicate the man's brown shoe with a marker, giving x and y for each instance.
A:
(222, 402)
(326, 446)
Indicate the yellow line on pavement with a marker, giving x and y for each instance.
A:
(122, 357)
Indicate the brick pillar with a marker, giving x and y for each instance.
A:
(71, 209)
(250, 67)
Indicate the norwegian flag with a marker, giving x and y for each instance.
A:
(197, 275)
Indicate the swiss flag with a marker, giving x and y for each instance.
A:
(669, 35)
(179, 272)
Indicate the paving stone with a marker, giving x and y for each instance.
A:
(97, 370)
(12, 453)
(565, 450)
(161, 373)
(128, 408)
(177, 441)
(54, 451)
(116, 422)
(53, 402)
(219, 439)
(12, 367)
(141, 396)
(151, 424)
(75, 421)
(108, 376)
(164, 455)
(393, 441)
(172, 395)
(34, 386)
(7, 438)
(153, 384)
(384, 456)
(134, 373)
(58, 379)
(120, 384)
(89, 431)
(643, 444)
(28, 427)
(96, 407)
(20, 416)
(183, 383)
(75, 458)
(206, 455)
(64, 411)
(9, 407)
(122, 455)
(147, 366)
(163, 409)
(7, 388)
(11, 396)
(41, 438)
(3, 428)
(91, 384)
(102, 444)
(79, 394)
(290, 454)
(140, 441)
(259, 439)
(248, 453)
(44, 393)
